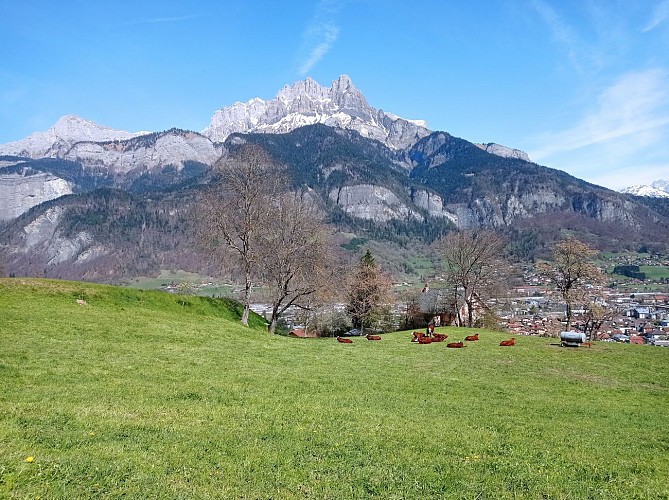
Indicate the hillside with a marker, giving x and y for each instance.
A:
(140, 393)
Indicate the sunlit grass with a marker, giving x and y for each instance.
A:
(135, 394)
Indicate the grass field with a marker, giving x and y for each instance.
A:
(138, 395)
(655, 272)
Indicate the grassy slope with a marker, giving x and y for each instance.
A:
(137, 395)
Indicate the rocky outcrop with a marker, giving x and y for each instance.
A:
(369, 202)
(504, 151)
(306, 103)
(174, 147)
(23, 189)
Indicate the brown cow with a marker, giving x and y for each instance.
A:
(472, 338)
(373, 337)
(417, 336)
(344, 341)
(510, 342)
(455, 345)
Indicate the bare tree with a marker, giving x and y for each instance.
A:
(474, 269)
(570, 272)
(367, 291)
(295, 259)
(237, 211)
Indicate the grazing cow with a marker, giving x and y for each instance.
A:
(510, 342)
(455, 345)
(373, 337)
(472, 338)
(344, 341)
(439, 337)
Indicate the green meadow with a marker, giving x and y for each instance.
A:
(142, 394)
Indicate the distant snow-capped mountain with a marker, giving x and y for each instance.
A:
(648, 191)
(66, 132)
(305, 103)
(661, 184)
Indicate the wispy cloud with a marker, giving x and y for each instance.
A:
(320, 34)
(561, 31)
(660, 14)
(634, 109)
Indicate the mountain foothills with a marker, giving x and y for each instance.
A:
(85, 201)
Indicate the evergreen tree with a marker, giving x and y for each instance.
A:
(367, 291)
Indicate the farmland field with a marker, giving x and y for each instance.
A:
(140, 394)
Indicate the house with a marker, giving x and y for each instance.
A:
(302, 333)
(444, 307)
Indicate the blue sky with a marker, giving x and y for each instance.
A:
(582, 86)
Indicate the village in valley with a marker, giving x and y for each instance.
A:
(631, 310)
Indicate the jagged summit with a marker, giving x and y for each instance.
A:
(307, 102)
(58, 139)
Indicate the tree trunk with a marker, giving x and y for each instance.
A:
(272, 325)
(568, 314)
(247, 299)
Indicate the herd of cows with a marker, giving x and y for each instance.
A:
(431, 336)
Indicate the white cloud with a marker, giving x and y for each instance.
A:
(660, 14)
(320, 35)
(329, 35)
(634, 109)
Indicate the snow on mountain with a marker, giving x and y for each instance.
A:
(661, 184)
(57, 140)
(306, 102)
(645, 190)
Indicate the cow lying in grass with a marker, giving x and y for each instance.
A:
(344, 341)
(510, 342)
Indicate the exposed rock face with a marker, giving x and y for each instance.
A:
(56, 141)
(19, 192)
(41, 236)
(305, 103)
(433, 204)
(505, 152)
(370, 202)
(173, 147)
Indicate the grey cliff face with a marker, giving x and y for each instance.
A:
(503, 151)
(20, 191)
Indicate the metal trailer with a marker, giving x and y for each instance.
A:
(572, 339)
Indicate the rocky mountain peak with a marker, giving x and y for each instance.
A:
(59, 138)
(306, 102)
